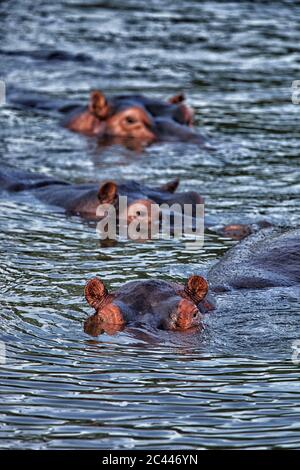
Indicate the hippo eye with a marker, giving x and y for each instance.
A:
(195, 314)
(130, 120)
(141, 213)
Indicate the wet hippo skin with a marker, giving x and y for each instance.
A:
(159, 304)
(268, 258)
(84, 199)
(136, 117)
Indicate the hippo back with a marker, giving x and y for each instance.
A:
(266, 259)
(12, 179)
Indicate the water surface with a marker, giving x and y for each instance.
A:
(234, 385)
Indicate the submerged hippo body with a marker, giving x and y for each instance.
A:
(265, 259)
(123, 117)
(84, 199)
(159, 304)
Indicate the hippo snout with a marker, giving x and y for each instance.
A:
(185, 316)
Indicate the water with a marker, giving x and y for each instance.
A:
(234, 385)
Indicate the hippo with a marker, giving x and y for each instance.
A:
(122, 118)
(268, 258)
(85, 199)
(157, 303)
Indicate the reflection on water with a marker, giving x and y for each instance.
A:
(232, 385)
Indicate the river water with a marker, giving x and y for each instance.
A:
(235, 384)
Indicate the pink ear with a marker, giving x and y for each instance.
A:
(177, 98)
(95, 291)
(170, 186)
(108, 192)
(197, 288)
(98, 104)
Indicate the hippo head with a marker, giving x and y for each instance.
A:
(138, 203)
(142, 119)
(124, 120)
(160, 304)
(143, 203)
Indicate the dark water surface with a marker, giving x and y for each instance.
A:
(234, 385)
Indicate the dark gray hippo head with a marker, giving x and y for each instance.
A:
(160, 304)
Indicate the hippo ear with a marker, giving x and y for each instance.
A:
(98, 104)
(108, 192)
(196, 287)
(95, 291)
(177, 98)
(170, 186)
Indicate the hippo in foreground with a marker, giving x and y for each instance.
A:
(268, 258)
(263, 260)
(122, 118)
(160, 304)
